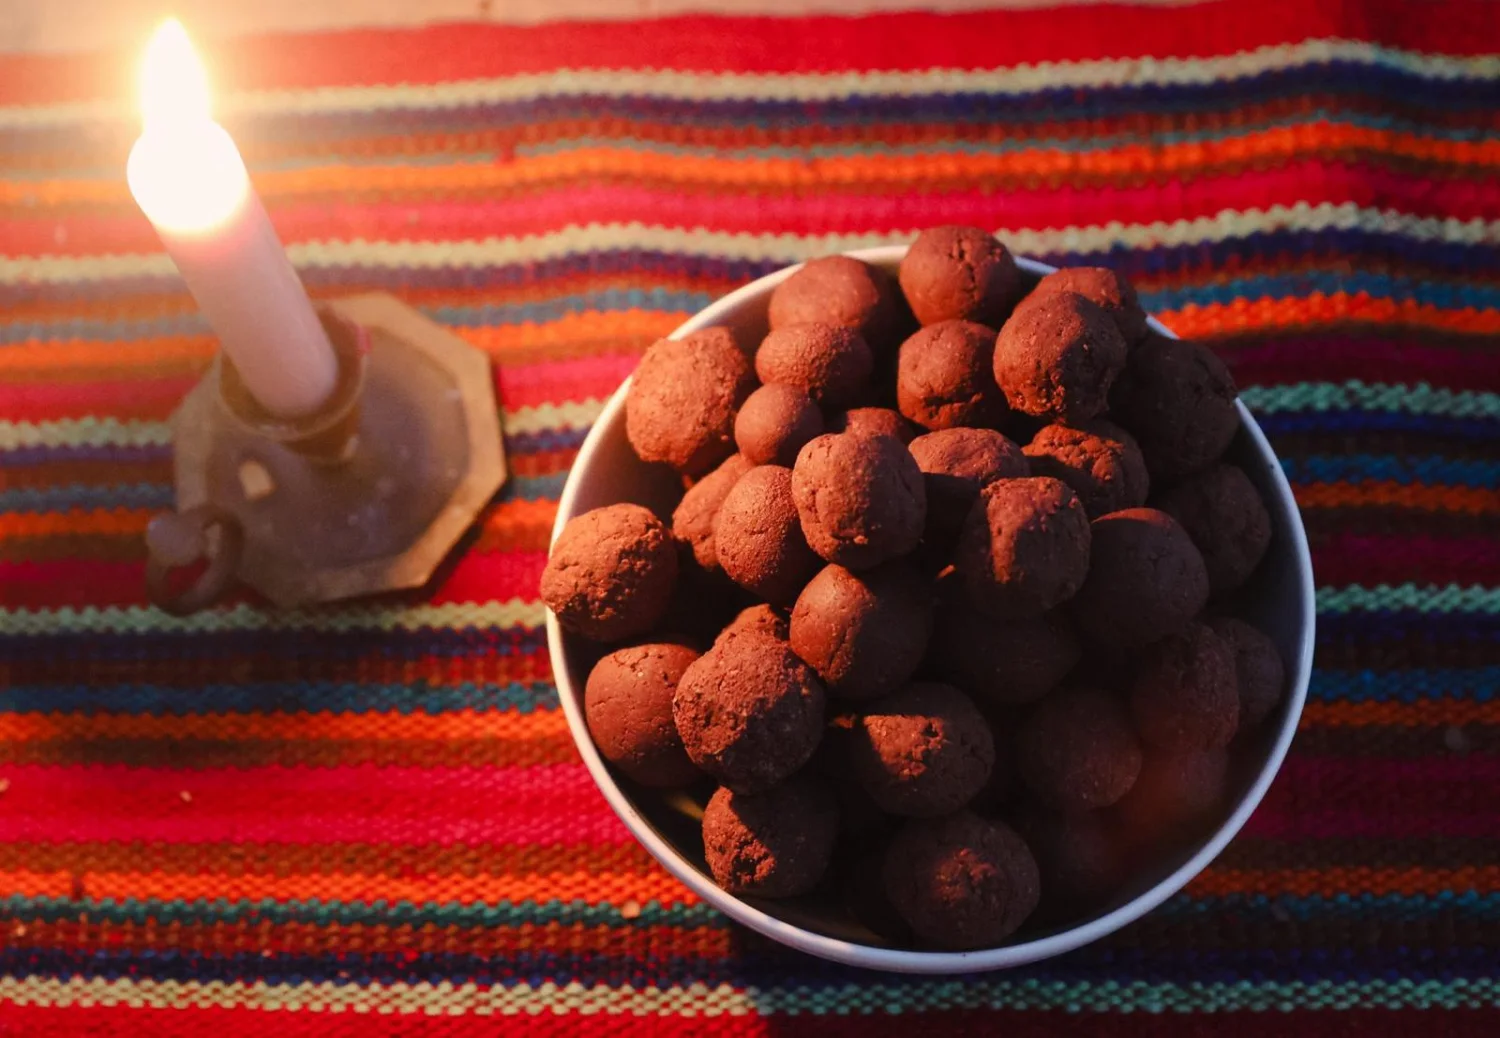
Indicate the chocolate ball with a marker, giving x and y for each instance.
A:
(628, 705)
(1185, 695)
(831, 364)
(1111, 292)
(872, 421)
(843, 291)
(611, 573)
(1099, 460)
(860, 498)
(923, 751)
(702, 604)
(1146, 579)
(682, 400)
(1004, 664)
(758, 619)
(750, 713)
(945, 377)
(1178, 400)
(1082, 860)
(774, 423)
(1024, 547)
(759, 539)
(1176, 796)
(961, 881)
(959, 273)
(1260, 675)
(859, 815)
(956, 465)
(1078, 751)
(1224, 515)
(697, 513)
(1057, 358)
(777, 843)
(864, 633)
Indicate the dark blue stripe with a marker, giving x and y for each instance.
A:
(1480, 473)
(1405, 685)
(1285, 423)
(302, 697)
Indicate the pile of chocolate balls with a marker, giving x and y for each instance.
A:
(946, 611)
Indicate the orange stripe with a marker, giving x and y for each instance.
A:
(1433, 713)
(1420, 496)
(75, 522)
(1331, 882)
(1247, 315)
(1264, 146)
(395, 727)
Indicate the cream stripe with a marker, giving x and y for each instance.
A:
(1144, 71)
(787, 248)
(139, 619)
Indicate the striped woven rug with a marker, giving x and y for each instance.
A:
(370, 819)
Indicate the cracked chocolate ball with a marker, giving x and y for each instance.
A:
(1260, 674)
(864, 633)
(1024, 548)
(774, 423)
(1224, 515)
(697, 513)
(1057, 358)
(956, 465)
(1146, 580)
(683, 398)
(923, 751)
(961, 881)
(773, 844)
(829, 363)
(843, 291)
(750, 713)
(1099, 460)
(759, 539)
(1111, 292)
(611, 573)
(628, 705)
(1185, 696)
(1078, 751)
(860, 498)
(945, 377)
(960, 273)
(1178, 400)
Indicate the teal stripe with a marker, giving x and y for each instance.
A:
(1419, 398)
(1427, 599)
(1414, 685)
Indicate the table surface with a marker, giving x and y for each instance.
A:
(370, 818)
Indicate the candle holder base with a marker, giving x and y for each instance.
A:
(371, 501)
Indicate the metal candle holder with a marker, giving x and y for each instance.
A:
(367, 495)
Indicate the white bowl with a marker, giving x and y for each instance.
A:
(1280, 602)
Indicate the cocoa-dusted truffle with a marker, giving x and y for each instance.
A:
(956, 465)
(844, 291)
(1260, 674)
(772, 844)
(1077, 750)
(860, 498)
(750, 713)
(1009, 663)
(758, 619)
(864, 633)
(1174, 797)
(628, 705)
(611, 573)
(1099, 460)
(961, 881)
(945, 377)
(683, 397)
(1024, 547)
(1184, 696)
(1226, 518)
(872, 421)
(696, 514)
(774, 423)
(759, 539)
(1082, 859)
(959, 273)
(830, 363)
(923, 751)
(1177, 398)
(1146, 579)
(1102, 286)
(1057, 357)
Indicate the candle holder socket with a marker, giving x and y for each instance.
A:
(367, 495)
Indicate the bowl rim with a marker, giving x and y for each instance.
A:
(895, 959)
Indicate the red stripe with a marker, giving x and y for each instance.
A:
(149, 397)
(1367, 559)
(363, 804)
(902, 41)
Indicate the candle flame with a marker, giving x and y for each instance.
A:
(174, 85)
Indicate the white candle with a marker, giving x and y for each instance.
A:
(189, 180)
